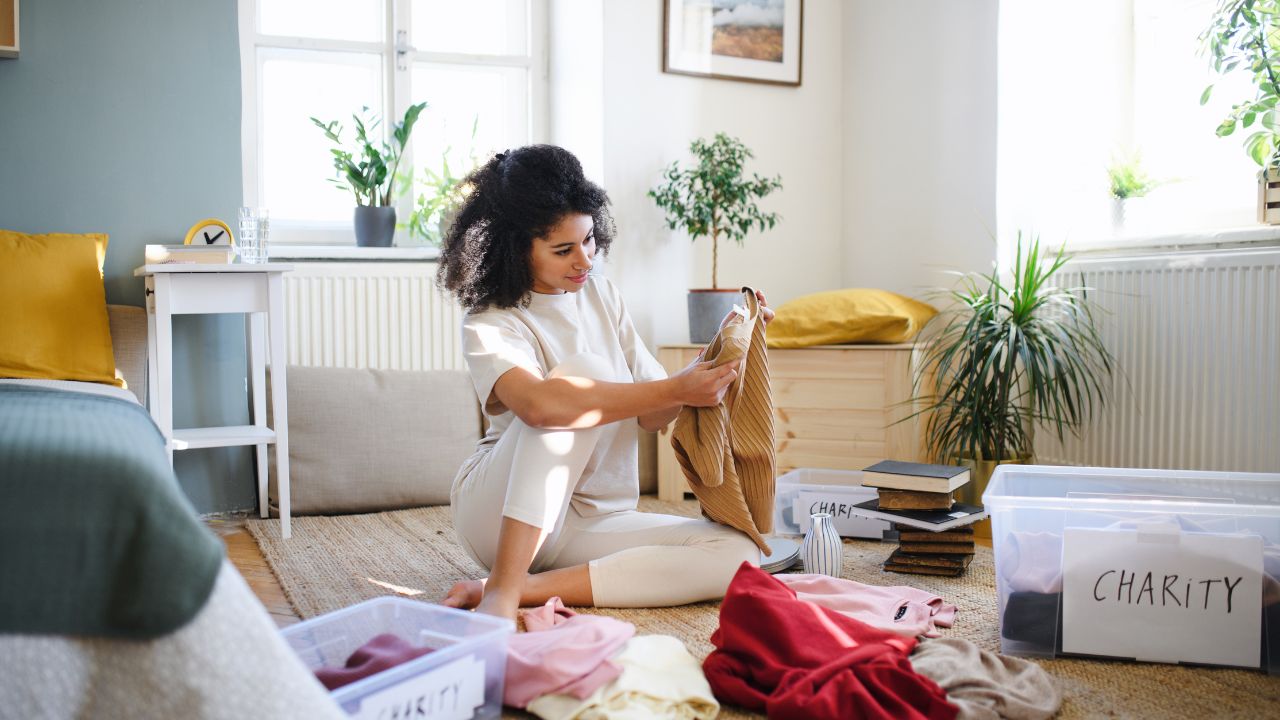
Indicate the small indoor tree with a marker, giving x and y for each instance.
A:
(1244, 37)
(714, 198)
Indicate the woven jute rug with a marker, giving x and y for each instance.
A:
(333, 562)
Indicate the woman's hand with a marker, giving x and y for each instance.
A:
(765, 311)
(702, 384)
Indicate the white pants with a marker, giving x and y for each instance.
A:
(634, 559)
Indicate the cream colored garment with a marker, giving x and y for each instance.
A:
(727, 451)
(660, 679)
(984, 685)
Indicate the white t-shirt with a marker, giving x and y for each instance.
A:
(538, 338)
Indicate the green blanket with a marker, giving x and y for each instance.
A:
(96, 536)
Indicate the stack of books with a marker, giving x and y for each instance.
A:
(921, 552)
(934, 537)
(214, 254)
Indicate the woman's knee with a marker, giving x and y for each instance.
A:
(586, 365)
(734, 548)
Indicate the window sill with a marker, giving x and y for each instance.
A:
(1170, 242)
(349, 253)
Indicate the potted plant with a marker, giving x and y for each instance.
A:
(1244, 37)
(370, 172)
(439, 195)
(715, 199)
(1004, 356)
(1128, 180)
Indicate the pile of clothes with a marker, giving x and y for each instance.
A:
(790, 646)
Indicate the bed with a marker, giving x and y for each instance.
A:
(115, 600)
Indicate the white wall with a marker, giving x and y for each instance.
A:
(919, 131)
(649, 119)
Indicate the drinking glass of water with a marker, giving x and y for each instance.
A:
(255, 225)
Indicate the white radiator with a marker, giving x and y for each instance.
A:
(1197, 336)
(369, 314)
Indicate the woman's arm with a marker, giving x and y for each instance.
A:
(575, 402)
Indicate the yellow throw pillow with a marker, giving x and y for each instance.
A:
(54, 308)
(856, 315)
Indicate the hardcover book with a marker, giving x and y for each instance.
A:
(935, 520)
(920, 477)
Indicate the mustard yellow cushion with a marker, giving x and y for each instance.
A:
(856, 315)
(54, 307)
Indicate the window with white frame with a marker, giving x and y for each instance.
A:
(1086, 83)
(480, 66)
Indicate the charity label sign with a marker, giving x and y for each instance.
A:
(1162, 595)
(450, 692)
(840, 508)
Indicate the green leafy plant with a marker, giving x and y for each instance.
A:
(1244, 36)
(1128, 179)
(713, 198)
(1005, 356)
(369, 172)
(438, 195)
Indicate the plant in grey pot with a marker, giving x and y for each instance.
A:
(1244, 38)
(370, 172)
(715, 199)
(1004, 357)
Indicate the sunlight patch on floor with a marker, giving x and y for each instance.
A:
(398, 589)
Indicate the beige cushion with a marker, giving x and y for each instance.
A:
(370, 440)
(129, 344)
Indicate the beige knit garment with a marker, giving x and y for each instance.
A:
(727, 451)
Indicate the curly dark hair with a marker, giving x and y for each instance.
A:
(513, 198)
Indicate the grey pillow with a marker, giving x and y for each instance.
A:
(370, 440)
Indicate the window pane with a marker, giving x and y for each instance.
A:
(1210, 181)
(334, 19)
(485, 27)
(493, 100)
(296, 163)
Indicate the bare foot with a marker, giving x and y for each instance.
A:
(466, 594)
(499, 605)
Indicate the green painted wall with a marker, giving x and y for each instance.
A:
(124, 117)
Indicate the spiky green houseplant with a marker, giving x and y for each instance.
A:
(370, 172)
(1006, 355)
(714, 198)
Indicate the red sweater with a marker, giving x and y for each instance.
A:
(792, 659)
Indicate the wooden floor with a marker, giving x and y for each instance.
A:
(244, 554)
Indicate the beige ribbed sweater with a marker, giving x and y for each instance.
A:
(727, 451)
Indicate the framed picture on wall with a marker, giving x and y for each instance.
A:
(752, 40)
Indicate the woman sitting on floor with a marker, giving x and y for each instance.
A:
(548, 501)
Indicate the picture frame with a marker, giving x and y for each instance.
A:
(759, 41)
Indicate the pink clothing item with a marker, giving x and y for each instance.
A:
(382, 652)
(562, 652)
(903, 611)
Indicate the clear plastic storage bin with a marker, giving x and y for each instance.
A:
(461, 678)
(839, 490)
(1160, 565)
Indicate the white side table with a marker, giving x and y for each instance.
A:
(195, 288)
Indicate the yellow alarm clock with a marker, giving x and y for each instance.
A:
(210, 231)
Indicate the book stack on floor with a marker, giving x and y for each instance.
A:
(934, 533)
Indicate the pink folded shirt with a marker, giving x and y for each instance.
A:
(563, 653)
(903, 611)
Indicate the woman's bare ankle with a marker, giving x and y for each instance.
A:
(499, 602)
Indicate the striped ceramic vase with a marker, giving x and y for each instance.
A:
(822, 551)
